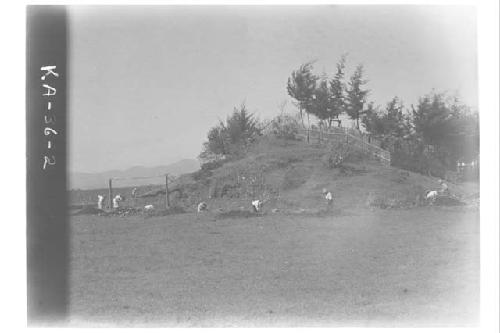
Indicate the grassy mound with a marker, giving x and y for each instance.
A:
(290, 175)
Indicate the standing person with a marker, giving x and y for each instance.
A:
(100, 200)
(134, 196)
(328, 197)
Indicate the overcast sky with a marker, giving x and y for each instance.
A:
(147, 83)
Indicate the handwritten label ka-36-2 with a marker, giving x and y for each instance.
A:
(49, 91)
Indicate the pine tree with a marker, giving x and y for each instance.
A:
(356, 95)
(232, 137)
(320, 104)
(337, 88)
(301, 87)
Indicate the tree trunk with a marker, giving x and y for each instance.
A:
(301, 115)
(308, 127)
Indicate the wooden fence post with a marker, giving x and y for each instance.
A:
(110, 193)
(167, 199)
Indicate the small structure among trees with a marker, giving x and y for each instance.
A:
(429, 138)
(437, 135)
(327, 99)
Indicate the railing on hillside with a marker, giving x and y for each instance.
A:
(351, 136)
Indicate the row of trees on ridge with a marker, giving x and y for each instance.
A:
(428, 138)
(327, 99)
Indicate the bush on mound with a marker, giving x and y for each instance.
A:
(284, 126)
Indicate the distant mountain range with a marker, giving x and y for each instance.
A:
(84, 181)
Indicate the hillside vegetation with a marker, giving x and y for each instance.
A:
(245, 158)
(290, 175)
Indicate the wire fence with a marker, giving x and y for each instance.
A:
(138, 177)
(164, 191)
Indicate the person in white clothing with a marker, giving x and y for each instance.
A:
(100, 201)
(116, 201)
(328, 197)
(444, 187)
(257, 205)
(431, 196)
(202, 206)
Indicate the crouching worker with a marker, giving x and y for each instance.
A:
(116, 201)
(328, 197)
(257, 205)
(431, 196)
(202, 206)
(444, 188)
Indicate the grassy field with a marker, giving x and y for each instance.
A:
(414, 267)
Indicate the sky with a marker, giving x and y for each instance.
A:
(147, 83)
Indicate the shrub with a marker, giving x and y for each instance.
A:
(231, 137)
(423, 163)
(212, 165)
(284, 126)
(337, 154)
(355, 156)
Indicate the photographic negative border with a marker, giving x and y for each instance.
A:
(46, 106)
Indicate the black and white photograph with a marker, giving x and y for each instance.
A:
(254, 166)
